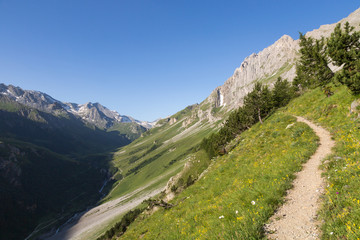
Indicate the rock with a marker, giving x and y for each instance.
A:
(289, 126)
(354, 107)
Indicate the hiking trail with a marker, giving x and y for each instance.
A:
(297, 217)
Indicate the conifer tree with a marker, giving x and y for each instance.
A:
(312, 70)
(344, 50)
(259, 100)
(281, 93)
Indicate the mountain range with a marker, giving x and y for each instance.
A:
(93, 113)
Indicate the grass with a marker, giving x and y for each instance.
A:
(272, 78)
(130, 129)
(240, 191)
(156, 156)
(341, 209)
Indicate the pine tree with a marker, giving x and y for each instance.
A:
(281, 93)
(344, 50)
(312, 70)
(260, 101)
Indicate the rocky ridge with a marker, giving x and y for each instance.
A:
(277, 60)
(93, 113)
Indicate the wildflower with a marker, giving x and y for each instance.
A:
(337, 192)
(331, 233)
(253, 202)
(222, 216)
(236, 212)
(239, 218)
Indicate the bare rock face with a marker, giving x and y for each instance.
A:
(260, 67)
(277, 60)
(266, 66)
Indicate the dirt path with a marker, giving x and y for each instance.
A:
(297, 218)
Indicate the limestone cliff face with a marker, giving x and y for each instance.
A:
(266, 66)
(263, 66)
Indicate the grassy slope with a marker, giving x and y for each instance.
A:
(156, 156)
(130, 129)
(220, 204)
(341, 209)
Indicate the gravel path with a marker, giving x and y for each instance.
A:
(297, 218)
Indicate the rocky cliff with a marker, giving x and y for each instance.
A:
(277, 60)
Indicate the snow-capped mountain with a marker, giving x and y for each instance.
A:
(93, 113)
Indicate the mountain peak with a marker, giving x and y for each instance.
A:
(285, 38)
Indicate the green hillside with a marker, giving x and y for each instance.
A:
(159, 154)
(130, 129)
(241, 189)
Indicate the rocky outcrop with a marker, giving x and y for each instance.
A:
(277, 60)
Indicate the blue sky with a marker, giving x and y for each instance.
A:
(147, 59)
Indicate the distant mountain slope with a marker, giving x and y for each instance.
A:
(60, 132)
(93, 113)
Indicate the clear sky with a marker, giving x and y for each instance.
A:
(144, 58)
